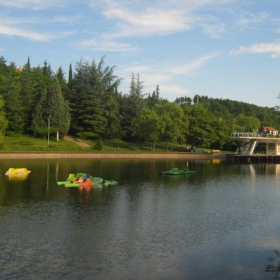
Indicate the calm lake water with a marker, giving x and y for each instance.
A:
(220, 223)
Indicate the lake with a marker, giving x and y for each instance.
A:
(220, 223)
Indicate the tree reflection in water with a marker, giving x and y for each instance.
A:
(274, 266)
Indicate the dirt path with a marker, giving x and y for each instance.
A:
(76, 141)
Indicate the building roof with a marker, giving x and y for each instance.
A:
(268, 128)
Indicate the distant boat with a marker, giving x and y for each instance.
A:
(177, 171)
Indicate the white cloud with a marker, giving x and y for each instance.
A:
(137, 69)
(189, 67)
(153, 79)
(214, 30)
(154, 74)
(33, 4)
(173, 91)
(272, 48)
(106, 45)
(150, 22)
(1, 50)
(249, 18)
(145, 18)
(12, 31)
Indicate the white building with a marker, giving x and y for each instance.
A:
(269, 136)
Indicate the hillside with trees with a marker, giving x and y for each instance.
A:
(88, 105)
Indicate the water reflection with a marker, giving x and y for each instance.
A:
(274, 265)
(214, 224)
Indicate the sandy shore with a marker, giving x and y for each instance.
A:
(62, 155)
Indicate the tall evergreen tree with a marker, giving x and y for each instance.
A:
(109, 99)
(53, 107)
(132, 91)
(88, 112)
(40, 115)
(27, 65)
(112, 115)
(139, 86)
(13, 106)
(60, 74)
(131, 106)
(27, 94)
(62, 82)
(47, 71)
(157, 93)
(154, 99)
(3, 119)
(94, 110)
(70, 76)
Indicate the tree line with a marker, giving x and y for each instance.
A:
(88, 104)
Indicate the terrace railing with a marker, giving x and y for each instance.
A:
(252, 135)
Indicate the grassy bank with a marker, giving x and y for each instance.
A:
(31, 144)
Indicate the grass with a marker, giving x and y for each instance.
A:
(31, 144)
(25, 143)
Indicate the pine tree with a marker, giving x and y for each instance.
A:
(60, 74)
(3, 119)
(27, 94)
(27, 65)
(40, 116)
(70, 77)
(13, 106)
(47, 71)
(52, 106)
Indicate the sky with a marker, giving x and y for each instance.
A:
(225, 49)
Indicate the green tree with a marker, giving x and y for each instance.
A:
(245, 123)
(184, 100)
(131, 106)
(153, 99)
(53, 107)
(28, 93)
(86, 99)
(40, 116)
(3, 119)
(47, 71)
(60, 75)
(175, 123)
(148, 126)
(70, 77)
(13, 106)
(127, 113)
(112, 115)
(221, 133)
(109, 98)
(200, 131)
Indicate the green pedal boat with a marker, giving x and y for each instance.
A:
(177, 171)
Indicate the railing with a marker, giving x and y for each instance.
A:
(252, 135)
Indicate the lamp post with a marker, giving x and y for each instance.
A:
(49, 119)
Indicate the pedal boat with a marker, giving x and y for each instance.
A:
(17, 171)
(72, 177)
(177, 171)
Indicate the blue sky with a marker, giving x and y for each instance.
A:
(227, 49)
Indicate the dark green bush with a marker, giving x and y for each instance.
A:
(99, 144)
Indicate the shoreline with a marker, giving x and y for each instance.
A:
(81, 155)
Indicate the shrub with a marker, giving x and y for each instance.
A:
(99, 144)
(134, 148)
